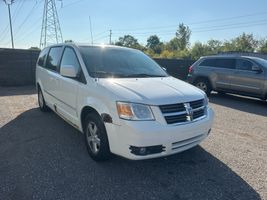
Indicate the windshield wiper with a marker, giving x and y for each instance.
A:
(141, 75)
(104, 74)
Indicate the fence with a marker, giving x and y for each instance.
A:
(17, 67)
(176, 68)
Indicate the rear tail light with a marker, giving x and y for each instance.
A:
(190, 69)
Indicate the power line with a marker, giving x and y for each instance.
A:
(194, 23)
(203, 29)
(26, 18)
(14, 17)
(72, 3)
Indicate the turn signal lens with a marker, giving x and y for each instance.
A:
(125, 110)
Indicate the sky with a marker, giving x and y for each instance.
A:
(207, 19)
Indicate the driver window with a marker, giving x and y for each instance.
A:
(244, 65)
(69, 58)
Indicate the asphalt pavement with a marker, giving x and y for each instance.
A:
(43, 157)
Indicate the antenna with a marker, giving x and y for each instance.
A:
(92, 40)
(51, 32)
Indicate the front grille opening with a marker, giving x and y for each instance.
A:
(171, 108)
(197, 104)
(198, 114)
(176, 119)
(177, 113)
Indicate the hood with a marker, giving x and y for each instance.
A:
(152, 91)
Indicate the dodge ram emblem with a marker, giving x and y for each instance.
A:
(189, 111)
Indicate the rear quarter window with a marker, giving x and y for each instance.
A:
(42, 57)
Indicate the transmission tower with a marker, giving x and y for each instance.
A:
(51, 32)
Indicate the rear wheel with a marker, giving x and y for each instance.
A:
(96, 138)
(42, 105)
(204, 85)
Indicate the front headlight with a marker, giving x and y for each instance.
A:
(134, 111)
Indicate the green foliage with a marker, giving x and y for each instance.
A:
(154, 44)
(179, 46)
(183, 36)
(199, 50)
(244, 42)
(129, 41)
(68, 41)
(263, 46)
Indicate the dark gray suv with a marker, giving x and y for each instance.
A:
(240, 75)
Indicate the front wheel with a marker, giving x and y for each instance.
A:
(204, 85)
(96, 138)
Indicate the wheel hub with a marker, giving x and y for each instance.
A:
(92, 137)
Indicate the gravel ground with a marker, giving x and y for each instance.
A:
(42, 157)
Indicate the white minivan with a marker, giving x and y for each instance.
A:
(122, 101)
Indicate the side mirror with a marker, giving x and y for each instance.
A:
(164, 69)
(256, 68)
(68, 71)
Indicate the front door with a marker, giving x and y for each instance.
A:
(69, 87)
(245, 80)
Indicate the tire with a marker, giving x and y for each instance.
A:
(41, 101)
(204, 85)
(96, 137)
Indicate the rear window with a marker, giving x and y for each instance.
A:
(225, 63)
(53, 58)
(208, 63)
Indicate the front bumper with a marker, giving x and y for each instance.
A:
(174, 138)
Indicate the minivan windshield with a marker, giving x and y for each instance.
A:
(105, 62)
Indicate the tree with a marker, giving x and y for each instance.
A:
(263, 46)
(183, 36)
(68, 41)
(214, 46)
(199, 50)
(154, 43)
(129, 41)
(35, 48)
(245, 42)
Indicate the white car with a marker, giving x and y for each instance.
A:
(122, 101)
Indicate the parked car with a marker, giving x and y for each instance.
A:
(122, 101)
(240, 75)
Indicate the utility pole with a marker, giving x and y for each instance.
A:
(8, 3)
(50, 32)
(110, 33)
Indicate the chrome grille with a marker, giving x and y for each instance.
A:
(183, 112)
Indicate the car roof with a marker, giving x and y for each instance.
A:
(228, 56)
(89, 45)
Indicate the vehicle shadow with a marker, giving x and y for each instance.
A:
(42, 157)
(12, 91)
(245, 104)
